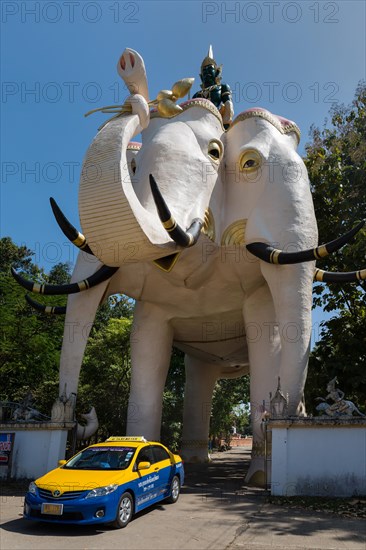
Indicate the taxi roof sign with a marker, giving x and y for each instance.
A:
(127, 438)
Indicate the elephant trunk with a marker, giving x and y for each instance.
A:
(131, 68)
(91, 426)
(117, 227)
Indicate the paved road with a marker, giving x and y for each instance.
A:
(215, 511)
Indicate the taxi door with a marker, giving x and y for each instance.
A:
(147, 484)
(162, 466)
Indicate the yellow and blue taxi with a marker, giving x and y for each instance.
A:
(106, 483)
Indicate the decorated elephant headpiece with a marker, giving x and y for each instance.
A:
(283, 125)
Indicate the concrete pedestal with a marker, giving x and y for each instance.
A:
(37, 448)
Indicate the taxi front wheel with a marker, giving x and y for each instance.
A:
(124, 511)
(174, 490)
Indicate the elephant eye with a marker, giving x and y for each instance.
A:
(133, 165)
(249, 161)
(215, 149)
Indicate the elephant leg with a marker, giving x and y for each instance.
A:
(200, 381)
(151, 346)
(264, 358)
(291, 289)
(80, 314)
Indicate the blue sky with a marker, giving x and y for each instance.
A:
(59, 60)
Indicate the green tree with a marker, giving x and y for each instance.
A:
(60, 274)
(30, 341)
(228, 395)
(20, 257)
(117, 306)
(105, 376)
(336, 162)
(172, 418)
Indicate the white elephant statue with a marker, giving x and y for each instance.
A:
(204, 289)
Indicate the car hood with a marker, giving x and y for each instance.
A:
(63, 479)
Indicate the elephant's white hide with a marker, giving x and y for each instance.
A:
(175, 152)
(123, 227)
(276, 200)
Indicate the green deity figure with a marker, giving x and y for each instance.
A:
(212, 88)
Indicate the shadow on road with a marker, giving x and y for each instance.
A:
(223, 478)
(38, 528)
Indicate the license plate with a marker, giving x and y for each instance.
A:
(53, 509)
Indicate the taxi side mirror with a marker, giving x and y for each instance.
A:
(143, 465)
(62, 462)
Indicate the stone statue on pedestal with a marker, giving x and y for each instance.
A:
(340, 406)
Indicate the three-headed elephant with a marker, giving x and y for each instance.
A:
(213, 233)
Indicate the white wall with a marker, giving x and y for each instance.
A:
(36, 451)
(318, 459)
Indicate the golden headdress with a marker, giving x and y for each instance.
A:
(209, 59)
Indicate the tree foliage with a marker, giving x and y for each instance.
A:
(172, 419)
(228, 395)
(336, 162)
(30, 341)
(105, 376)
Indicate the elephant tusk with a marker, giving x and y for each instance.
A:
(53, 310)
(272, 255)
(68, 229)
(181, 237)
(104, 273)
(336, 277)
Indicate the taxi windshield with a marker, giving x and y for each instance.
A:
(102, 458)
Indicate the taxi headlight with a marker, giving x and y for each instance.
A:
(102, 491)
(32, 488)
